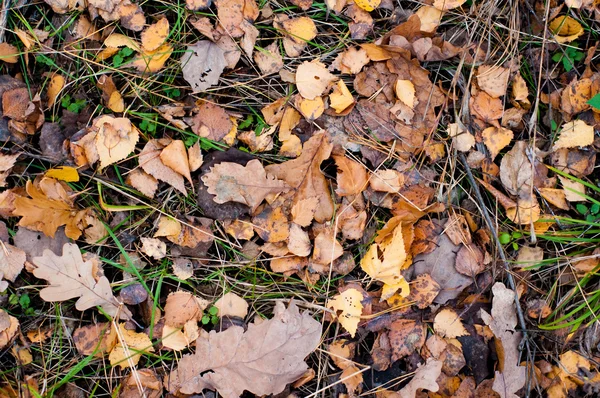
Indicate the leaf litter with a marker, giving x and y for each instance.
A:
(197, 171)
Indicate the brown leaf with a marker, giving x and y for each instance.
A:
(448, 324)
(155, 35)
(182, 307)
(248, 184)
(212, 122)
(516, 171)
(9, 325)
(304, 174)
(269, 59)
(272, 225)
(327, 248)
(457, 229)
(46, 210)
(143, 182)
(469, 260)
(150, 162)
(510, 377)
(6, 164)
(425, 378)
(496, 139)
(70, 277)
(262, 360)
(232, 13)
(352, 176)
(175, 157)
(406, 336)
(146, 378)
(493, 79)
(98, 338)
(312, 78)
(485, 107)
(202, 65)
(423, 291)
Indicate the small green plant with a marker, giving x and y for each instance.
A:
(172, 93)
(122, 56)
(148, 125)
(211, 316)
(595, 101)
(506, 238)
(590, 213)
(244, 124)
(569, 57)
(23, 301)
(72, 104)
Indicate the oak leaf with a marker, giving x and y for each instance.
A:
(45, 212)
(261, 360)
(6, 164)
(12, 261)
(70, 277)
(250, 184)
(304, 174)
(425, 378)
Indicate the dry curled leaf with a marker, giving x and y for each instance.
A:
(261, 360)
(248, 184)
(70, 277)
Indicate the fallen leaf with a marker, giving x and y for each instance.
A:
(574, 134)
(387, 266)
(98, 339)
(462, 140)
(445, 5)
(349, 303)
(6, 164)
(146, 378)
(448, 324)
(493, 79)
(182, 307)
(12, 261)
(299, 242)
(510, 377)
(129, 348)
(232, 13)
(202, 65)
(183, 268)
(341, 352)
(304, 175)
(312, 79)
(298, 32)
(526, 211)
(375, 52)
(179, 339)
(63, 173)
(9, 53)
(232, 305)
(117, 40)
(143, 182)
(154, 248)
(496, 139)
(115, 139)
(212, 122)
(423, 291)
(387, 180)
(327, 248)
(251, 360)
(405, 92)
(310, 109)
(556, 197)
(70, 277)
(57, 82)
(425, 377)
(230, 182)
(340, 98)
(406, 336)
(469, 260)
(565, 29)
(352, 176)
(151, 163)
(268, 59)
(574, 190)
(195, 158)
(351, 61)
(430, 17)
(152, 61)
(516, 171)
(368, 5)
(155, 35)
(175, 157)
(46, 214)
(9, 325)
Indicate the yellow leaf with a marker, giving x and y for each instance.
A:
(312, 78)
(115, 102)
(117, 40)
(154, 61)
(387, 270)
(57, 82)
(565, 29)
(496, 139)
(9, 53)
(175, 157)
(64, 173)
(405, 91)
(368, 5)
(130, 347)
(340, 98)
(375, 52)
(155, 35)
(310, 109)
(447, 323)
(349, 302)
(574, 134)
(430, 18)
(300, 29)
(445, 5)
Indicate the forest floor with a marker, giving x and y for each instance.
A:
(299, 199)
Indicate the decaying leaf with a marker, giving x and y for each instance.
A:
(9, 325)
(349, 304)
(202, 65)
(269, 59)
(70, 277)
(351, 177)
(341, 352)
(248, 184)
(511, 376)
(12, 261)
(496, 139)
(154, 248)
(261, 360)
(425, 378)
(493, 79)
